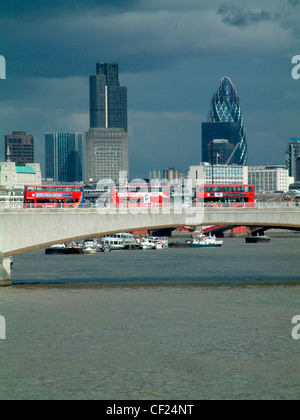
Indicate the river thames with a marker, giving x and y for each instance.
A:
(184, 324)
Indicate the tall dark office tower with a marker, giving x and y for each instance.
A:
(106, 142)
(19, 146)
(108, 100)
(225, 121)
(293, 158)
(63, 157)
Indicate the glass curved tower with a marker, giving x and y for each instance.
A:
(224, 134)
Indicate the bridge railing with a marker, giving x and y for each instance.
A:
(257, 205)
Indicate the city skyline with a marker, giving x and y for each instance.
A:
(171, 56)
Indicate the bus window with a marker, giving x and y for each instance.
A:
(209, 189)
(240, 189)
(41, 189)
(218, 189)
(248, 189)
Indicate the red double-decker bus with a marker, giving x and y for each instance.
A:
(237, 195)
(140, 196)
(52, 196)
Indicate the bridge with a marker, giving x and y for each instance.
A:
(23, 230)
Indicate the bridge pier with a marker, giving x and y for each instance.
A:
(5, 271)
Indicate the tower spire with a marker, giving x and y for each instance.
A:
(8, 154)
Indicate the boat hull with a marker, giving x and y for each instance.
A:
(204, 245)
(257, 239)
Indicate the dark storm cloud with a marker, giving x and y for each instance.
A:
(34, 8)
(171, 56)
(236, 16)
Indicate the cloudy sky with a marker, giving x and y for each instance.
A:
(171, 54)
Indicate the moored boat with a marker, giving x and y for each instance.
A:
(161, 242)
(148, 243)
(118, 241)
(257, 239)
(55, 249)
(73, 248)
(205, 241)
(89, 246)
(89, 250)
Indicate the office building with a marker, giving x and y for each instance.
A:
(293, 159)
(173, 175)
(106, 142)
(63, 157)
(269, 178)
(20, 147)
(205, 173)
(224, 134)
(108, 100)
(106, 154)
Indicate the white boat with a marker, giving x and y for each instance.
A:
(148, 243)
(118, 240)
(89, 246)
(205, 241)
(89, 250)
(161, 242)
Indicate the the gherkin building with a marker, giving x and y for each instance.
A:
(224, 134)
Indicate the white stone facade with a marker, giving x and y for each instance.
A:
(15, 177)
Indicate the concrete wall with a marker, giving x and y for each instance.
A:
(4, 271)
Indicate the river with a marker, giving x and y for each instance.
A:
(177, 324)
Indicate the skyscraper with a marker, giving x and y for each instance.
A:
(108, 100)
(106, 142)
(63, 157)
(293, 158)
(225, 121)
(19, 146)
